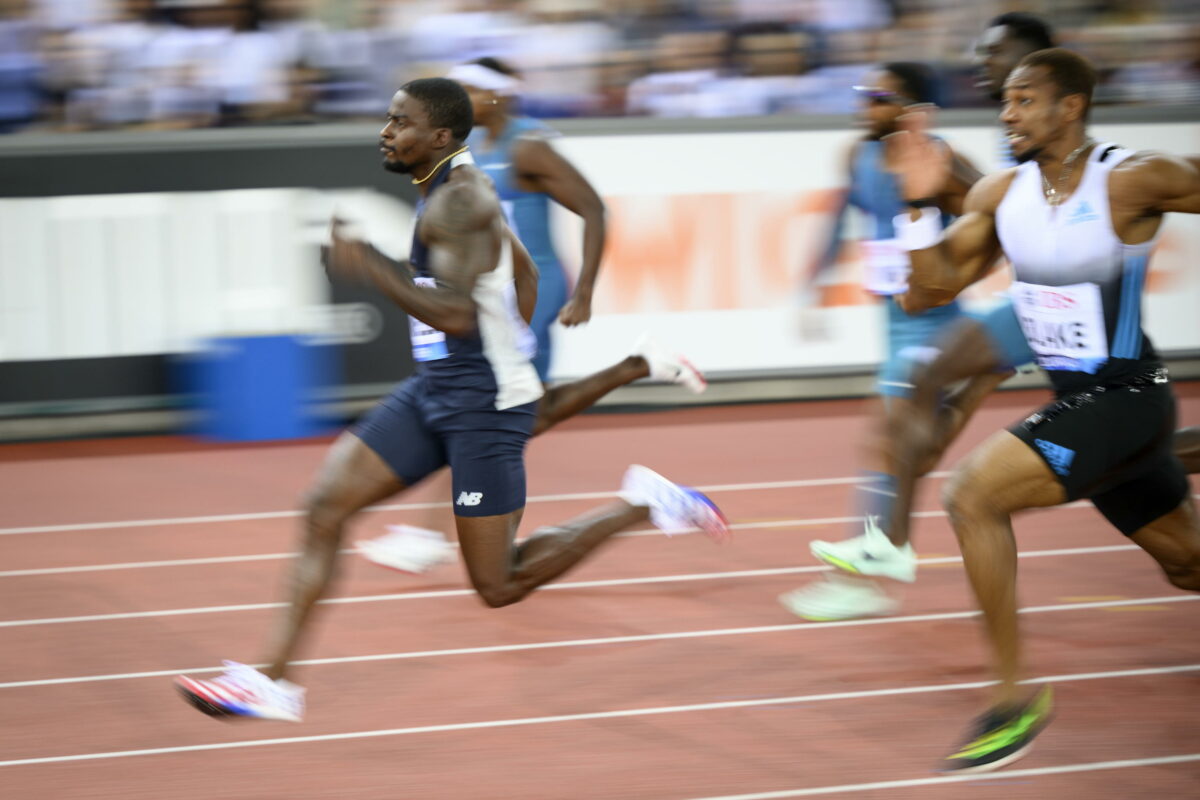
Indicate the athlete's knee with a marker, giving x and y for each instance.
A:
(966, 496)
(1183, 575)
(499, 595)
(325, 512)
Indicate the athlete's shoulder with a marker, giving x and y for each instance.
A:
(1149, 178)
(987, 194)
(1150, 164)
(852, 152)
(467, 201)
(532, 127)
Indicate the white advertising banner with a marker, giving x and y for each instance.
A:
(714, 237)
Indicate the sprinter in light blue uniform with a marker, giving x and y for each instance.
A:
(528, 173)
(911, 339)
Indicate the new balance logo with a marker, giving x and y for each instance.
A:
(468, 498)
(1056, 455)
(1083, 213)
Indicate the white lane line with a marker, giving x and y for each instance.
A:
(610, 640)
(567, 585)
(1063, 769)
(180, 562)
(628, 712)
(190, 562)
(545, 498)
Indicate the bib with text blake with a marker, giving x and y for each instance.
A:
(428, 343)
(1064, 325)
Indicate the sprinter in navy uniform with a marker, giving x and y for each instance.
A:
(530, 176)
(471, 404)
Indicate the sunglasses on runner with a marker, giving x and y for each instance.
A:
(881, 96)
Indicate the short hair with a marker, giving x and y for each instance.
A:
(915, 79)
(1034, 31)
(446, 102)
(1070, 72)
(496, 65)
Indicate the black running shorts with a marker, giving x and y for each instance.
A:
(1112, 445)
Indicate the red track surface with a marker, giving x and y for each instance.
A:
(750, 739)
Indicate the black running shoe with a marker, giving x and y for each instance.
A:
(1001, 737)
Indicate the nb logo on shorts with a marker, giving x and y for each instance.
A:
(468, 498)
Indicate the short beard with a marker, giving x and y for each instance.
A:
(401, 167)
(1028, 155)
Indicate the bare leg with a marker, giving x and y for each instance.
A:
(1001, 476)
(952, 416)
(504, 575)
(1186, 445)
(918, 434)
(352, 478)
(565, 401)
(1174, 542)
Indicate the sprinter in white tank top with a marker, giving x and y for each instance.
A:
(1076, 219)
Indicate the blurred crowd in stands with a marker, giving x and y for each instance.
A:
(121, 64)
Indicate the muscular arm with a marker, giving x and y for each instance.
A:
(828, 255)
(1157, 183)
(461, 228)
(540, 168)
(966, 251)
(525, 276)
(963, 176)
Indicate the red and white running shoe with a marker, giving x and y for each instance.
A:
(669, 367)
(242, 691)
(673, 508)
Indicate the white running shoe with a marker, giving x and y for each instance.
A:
(668, 367)
(871, 553)
(408, 549)
(838, 597)
(243, 691)
(673, 508)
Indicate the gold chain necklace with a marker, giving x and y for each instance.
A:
(1054, 194)
(432, 172)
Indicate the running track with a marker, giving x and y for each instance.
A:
(663, 668)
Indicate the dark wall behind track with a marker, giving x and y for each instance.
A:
(52, 167)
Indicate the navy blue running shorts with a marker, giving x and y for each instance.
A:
(416, 433)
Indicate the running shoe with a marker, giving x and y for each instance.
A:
(673, 508)
(242, 691)
(669, 367)
(408, 549)
(838, 597)
(870, 553)
(1000, 737)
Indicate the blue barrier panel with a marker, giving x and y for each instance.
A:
(254, 388)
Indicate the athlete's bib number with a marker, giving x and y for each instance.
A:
(888, 266)
(1064, 325)
(428, 344)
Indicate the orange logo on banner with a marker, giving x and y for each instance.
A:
(717, 251)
